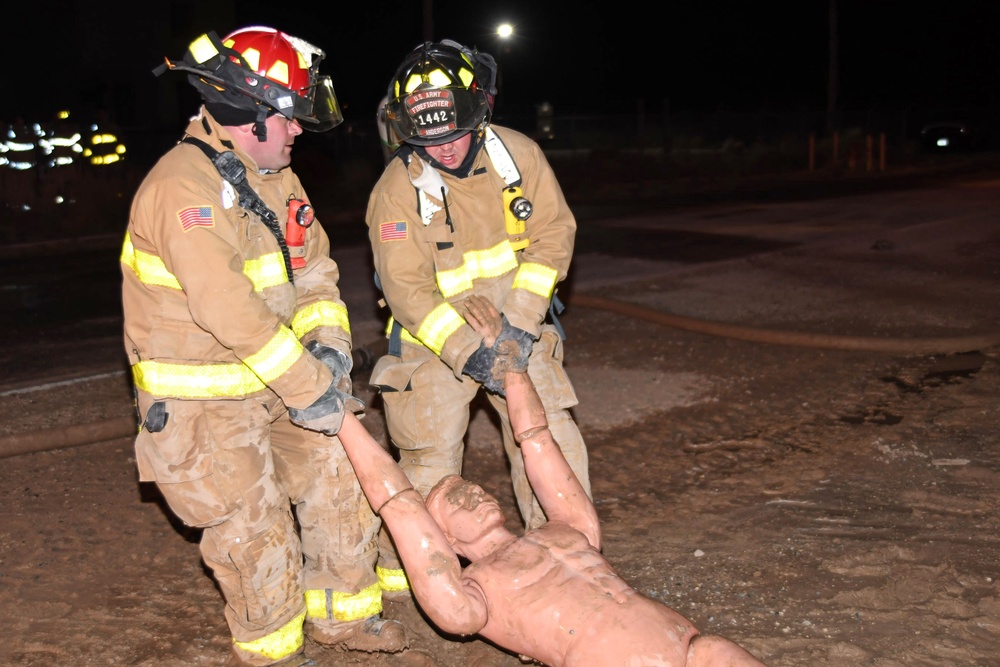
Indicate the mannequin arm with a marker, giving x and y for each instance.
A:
(555, 485)
(452, 602)
(553, 482)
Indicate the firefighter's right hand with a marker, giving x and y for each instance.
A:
(326, 414)
(338, 363)
(480, 367)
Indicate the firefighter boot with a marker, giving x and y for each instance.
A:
(371, 635)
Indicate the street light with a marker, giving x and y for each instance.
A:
(504, 33)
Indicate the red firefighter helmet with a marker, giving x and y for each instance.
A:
(263, 70)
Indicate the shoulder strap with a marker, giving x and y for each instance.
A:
(235, 172)
(501, 158)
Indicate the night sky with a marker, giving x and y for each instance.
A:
(583, 57)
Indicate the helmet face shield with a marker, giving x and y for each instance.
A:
(316, 108)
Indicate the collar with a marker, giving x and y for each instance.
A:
(463, 170)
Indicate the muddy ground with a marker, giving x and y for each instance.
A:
(815, 500)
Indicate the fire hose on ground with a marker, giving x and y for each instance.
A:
(121, 427)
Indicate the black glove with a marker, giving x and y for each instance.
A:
(510, 353)
(513, 348)
(338, 363)
(479, 367)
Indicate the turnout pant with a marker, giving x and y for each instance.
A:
(427, 416)
(244, 474)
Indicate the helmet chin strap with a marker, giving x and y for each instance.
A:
(259, 125)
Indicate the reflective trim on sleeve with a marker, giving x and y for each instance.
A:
(536, 278)
(442, 322)
(488, 263)
(283, 642)
(277, 356)
(329, 604)
(220, 380)
(320, 314)
(195, 381)
(266, 271)
(149, 269)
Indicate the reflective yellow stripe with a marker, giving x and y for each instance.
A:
(536, 278)
(202, 49)
(403, 333)
(329, 604)
(320, 314)
(488, 263)
(195, 381)
(392, 580)
(148, 268)
(263, 272)
(277, 356)
(442, 322)
(316, 606)
(266, 271)
(281, 643)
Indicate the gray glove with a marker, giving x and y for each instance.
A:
(510, 353)
(325, 415)
(338, 363)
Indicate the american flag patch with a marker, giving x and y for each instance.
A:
(392, 231)
(196, 216)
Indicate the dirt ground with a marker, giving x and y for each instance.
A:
(819, 502)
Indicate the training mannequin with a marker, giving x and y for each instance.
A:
(548, 595)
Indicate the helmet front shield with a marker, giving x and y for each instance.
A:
(317, 108)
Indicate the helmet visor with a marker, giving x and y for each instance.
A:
(317, 108)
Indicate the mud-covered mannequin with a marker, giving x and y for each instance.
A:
(548, 595)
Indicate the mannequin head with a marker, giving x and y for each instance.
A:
(466, 513)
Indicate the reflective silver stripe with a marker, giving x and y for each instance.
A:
(501, 158)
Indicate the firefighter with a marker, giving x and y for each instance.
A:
(240, 350)
(464, 208)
